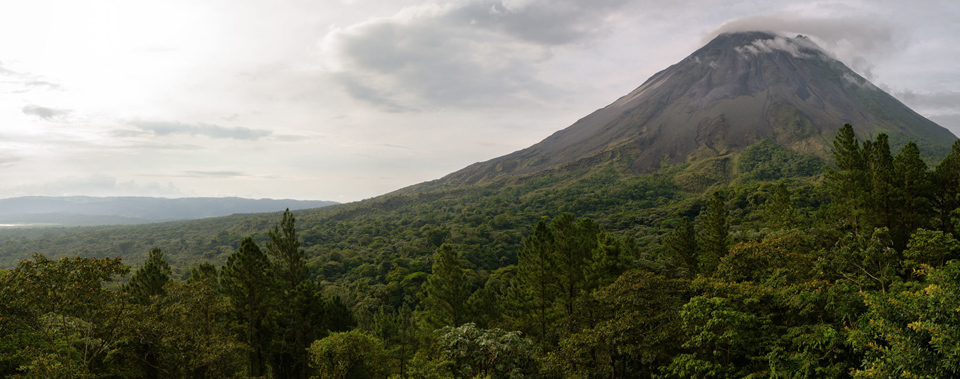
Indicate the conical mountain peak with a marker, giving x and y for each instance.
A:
(737, 90)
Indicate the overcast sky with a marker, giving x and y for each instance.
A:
(348, 99)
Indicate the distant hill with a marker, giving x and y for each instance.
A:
(83, 210)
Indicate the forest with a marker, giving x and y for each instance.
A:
(792, 268)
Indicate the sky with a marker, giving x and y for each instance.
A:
(344, 100)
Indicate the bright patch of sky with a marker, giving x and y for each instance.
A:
(345, 100)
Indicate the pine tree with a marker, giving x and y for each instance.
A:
(298, 323)
(849, 184)
(779, 210)
(572, 249)
(247, 280)
(681, 245)
(446, 290)
(913, 196)
(946, 189)
(149, 280)
(398, 329)
(338, 316)
(530, 297)
(284, 247)
(714, 236)
(610, 258)
(204, 272)
(883, 205)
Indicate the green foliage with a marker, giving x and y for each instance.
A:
(779, 210)
(930, 248)
(180, 334)
(400, 334)
(531, 297)
(446, 291)
(58, 314)
(946, 189)
(768, 161)
(601, 270)
(849, 183)
(727, 328)
(869, 263)
(914, 331)
(248, 283)
(681, 246)
(150, 279)
(639, 330)
(871, 189)
(559, 263)
(289, 265)
(352, 354)
(493, 353)
(714, 235)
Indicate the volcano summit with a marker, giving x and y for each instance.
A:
(738, 90)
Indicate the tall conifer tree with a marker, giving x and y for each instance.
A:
(849, 184)
(914, 195)
(714, 235)
(446, 291)
(883, 190)
(150, 278)
(284, 247)
(247, 280)
(779, 210)
(681, 245)
(946, 189)
(533, 291)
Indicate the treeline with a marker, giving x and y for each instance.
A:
(857, 277)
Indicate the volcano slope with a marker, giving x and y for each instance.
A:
(738, 90)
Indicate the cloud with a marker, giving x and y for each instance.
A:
(213, 174)
(792, 46)
(45, 113)
(27, 81)
(854, 40)
(949, 121)
(556, 22)
(160, 128)
(41, 84)
(93, 185)
(8, 160)
(469, 54)
(942, 107)
(943, 100)
(6, 71)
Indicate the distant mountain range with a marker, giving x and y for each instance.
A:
(83, 210)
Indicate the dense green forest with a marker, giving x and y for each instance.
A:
(763, 264)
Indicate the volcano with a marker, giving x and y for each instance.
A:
(739, 89)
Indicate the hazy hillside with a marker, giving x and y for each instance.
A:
(84, 210)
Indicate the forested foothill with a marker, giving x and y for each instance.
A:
(766, 264)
